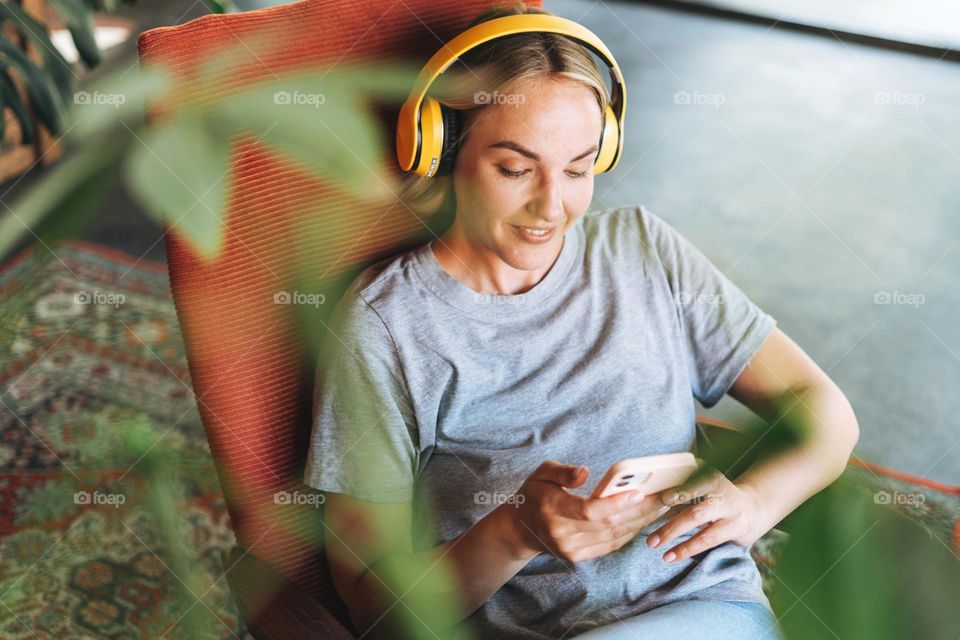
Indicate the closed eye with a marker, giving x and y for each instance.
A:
(513, 174)
(518, 174)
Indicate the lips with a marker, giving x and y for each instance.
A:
(535, 235)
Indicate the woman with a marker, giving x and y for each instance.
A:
(473, 381)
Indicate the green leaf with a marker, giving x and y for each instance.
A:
(322, 122)
(3, 113)
(857, 569)
(114, 99)
(57, 71)
(12, 99)
(67, 191)
(37, 84)
(79, 21)
(221, 7)
(179, 172)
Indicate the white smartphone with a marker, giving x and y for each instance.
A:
(649, 474)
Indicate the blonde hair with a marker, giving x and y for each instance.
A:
(495, 67)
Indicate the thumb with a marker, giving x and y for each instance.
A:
(565, 475)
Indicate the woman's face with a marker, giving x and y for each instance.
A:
(527, 161)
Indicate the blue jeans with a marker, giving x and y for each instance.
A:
(690, 619)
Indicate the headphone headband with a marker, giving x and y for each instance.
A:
(408, 133)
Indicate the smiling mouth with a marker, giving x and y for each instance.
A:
(535, 234)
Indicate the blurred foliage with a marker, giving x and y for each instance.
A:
(178, 167)
(853, 566)
(49, 85)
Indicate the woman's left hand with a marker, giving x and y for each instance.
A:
(723, 510)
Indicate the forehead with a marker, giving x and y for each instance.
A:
(544, 114)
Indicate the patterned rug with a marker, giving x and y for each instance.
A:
(90, 350)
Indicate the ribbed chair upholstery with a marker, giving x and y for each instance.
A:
(251, 361)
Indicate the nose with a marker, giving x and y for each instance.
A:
(548, 204)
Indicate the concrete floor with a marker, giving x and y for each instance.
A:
(932, 23)
(814, 173)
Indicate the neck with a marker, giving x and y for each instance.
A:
(481, 269)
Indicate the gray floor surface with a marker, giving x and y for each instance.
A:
(816, 174)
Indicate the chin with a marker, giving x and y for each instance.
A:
(521, 255)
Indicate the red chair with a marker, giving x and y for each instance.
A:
(251, 361)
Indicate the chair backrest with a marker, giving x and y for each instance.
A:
(249, 359)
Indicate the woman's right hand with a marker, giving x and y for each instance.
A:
(549, 519)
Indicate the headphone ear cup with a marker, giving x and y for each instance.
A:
(609, 140)
(451, 137)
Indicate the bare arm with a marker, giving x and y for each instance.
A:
(783, 480)
(386, 586)
(391, 591)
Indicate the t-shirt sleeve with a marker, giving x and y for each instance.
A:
(721, 327)
(364, 440)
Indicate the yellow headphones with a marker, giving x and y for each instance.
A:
(427, 131)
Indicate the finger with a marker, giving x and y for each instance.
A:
(597, 513)
(708, 538)
(636, 521)
(579, 509)
(594, 544)
(565, 475)
(690, 518)
(638, 516)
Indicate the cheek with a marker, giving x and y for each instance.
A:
(493, 192)
(579, 194)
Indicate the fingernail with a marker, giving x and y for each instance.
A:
(637, 498)
(670, 499)
(653, 541)
(669, 557)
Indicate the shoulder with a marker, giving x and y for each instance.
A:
(381, 284)
(606, 222)
(628, 229)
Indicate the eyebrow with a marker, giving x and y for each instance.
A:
(508, 144)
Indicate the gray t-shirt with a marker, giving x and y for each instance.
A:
(438, 394)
